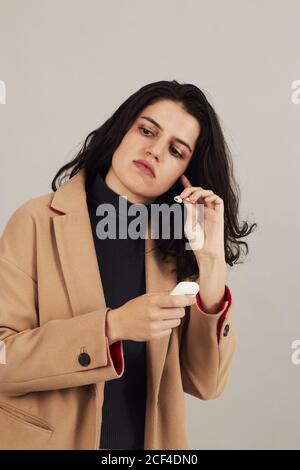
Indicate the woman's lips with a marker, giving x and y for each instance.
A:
(143, 168)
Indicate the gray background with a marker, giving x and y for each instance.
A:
(68, 64)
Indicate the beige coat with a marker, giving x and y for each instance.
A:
(52, 309)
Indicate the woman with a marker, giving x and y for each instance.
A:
(98, 354)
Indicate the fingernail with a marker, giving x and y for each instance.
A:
(177, 199)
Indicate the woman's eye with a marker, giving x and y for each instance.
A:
(144, 129)
(177, 154)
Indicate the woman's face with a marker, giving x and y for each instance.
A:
(153, 138)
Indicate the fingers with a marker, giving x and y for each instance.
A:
(215, 199)
(200, 193)
(185, 181)
(171, 313)
(192, 194)
(167, 324)
(173, 301)
(186, 192)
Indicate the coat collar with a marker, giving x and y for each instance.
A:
(70, 197)
(76, 251)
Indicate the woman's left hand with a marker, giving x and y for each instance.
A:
(212, 238)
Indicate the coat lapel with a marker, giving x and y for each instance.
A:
(79, 262)
(75, 246)
(77, 255)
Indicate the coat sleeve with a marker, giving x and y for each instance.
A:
(207, 346)
(59, 354)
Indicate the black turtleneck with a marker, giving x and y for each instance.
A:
(122, 271)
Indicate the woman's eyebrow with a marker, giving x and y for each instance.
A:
(160, 127)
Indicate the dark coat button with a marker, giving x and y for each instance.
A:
(84, 359)
(226, 330)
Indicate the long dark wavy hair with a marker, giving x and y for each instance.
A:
(210, 167)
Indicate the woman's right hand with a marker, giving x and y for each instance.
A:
(147, 317)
